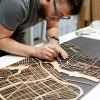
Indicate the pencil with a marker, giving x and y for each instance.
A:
(51, 43)
(50, 40)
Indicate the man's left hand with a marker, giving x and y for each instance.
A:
(61, 51)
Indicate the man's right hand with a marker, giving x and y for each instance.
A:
(47, 52)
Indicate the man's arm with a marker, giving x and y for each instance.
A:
(52, 30)
(11, 46)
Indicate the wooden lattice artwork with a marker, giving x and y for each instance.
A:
(97, 64)
(89, 68)
(34, 79)
(70, 49)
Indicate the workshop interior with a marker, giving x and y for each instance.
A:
(88, 14)
(77, 78)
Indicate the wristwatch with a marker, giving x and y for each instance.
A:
(54, 37)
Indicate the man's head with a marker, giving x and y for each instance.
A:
(75, 6)
(50, 9)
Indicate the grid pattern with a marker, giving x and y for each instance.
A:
(38, 82)
(34, 82)
(46, 89)
(70, 48)
(86, 65)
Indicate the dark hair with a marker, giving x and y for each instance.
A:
(75, 5)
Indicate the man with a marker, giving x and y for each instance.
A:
(17, 15)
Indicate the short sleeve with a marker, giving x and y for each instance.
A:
(11, 14)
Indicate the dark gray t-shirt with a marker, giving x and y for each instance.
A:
(17, 15)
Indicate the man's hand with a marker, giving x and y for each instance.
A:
(47, 52)
(61, 51)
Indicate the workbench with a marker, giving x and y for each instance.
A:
(94, 94)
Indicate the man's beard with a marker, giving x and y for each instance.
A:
(43, 11)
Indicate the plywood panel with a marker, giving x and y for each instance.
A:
(95, 10)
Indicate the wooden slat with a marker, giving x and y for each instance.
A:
(95, 10)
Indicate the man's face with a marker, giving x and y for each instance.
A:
(43, 11)
(46, 11)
